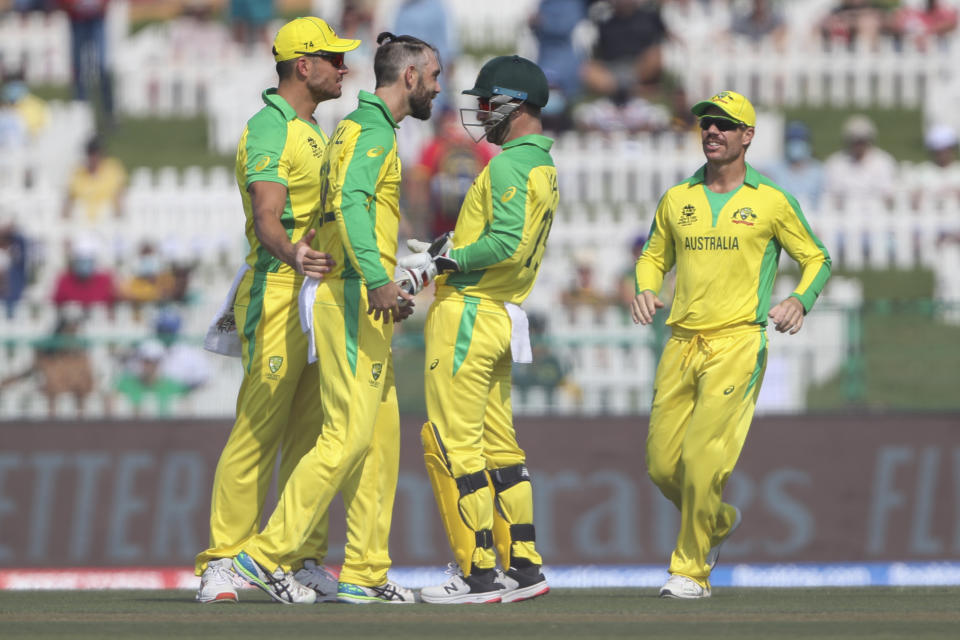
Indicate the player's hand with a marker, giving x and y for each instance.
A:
(644, 306)
(309, 261)
(787, 316)
(385, 302)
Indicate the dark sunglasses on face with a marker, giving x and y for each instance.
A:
(723, 124)
(336, 59)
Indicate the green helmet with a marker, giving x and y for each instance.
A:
(512, 76)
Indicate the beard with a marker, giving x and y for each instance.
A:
(421, 103)
(497, 133)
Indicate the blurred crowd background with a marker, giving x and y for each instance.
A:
(121, 225)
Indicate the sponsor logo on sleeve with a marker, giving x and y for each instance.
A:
(262, 164)
(508, 194)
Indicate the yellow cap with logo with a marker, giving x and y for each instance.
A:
(301, 36)
(731, 103)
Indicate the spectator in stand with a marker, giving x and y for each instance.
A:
(583, 291)
(152, 280)
(552, 25)
(925, 25)
(88, 52)
(82, 283)
(250, 19)
(32, 110)
(13, 265)
(97, 186)
(860, 172)
(762, 21)
(626, 68)
(938, 177)
(162, 368)
(14, 135)
(855, 23)
(444, 172)
(798, 171)
(61, 363)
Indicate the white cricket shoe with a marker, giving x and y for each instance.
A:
(478, 588)
(521, 584)
(219, 582)
(389, 592)
(714, 553)
(319, 579)
(280, 586)
(678, 586)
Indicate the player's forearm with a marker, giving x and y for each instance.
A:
(273, 236)
(360, 245)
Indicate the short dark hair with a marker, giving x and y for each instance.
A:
(395, 53)
(285, 68)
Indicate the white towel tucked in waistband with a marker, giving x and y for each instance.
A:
(519, 334)
(222, 336)
(308, 293)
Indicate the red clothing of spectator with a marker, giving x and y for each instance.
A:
(97, 288)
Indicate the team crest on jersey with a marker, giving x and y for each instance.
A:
(745, 216)
(317, 152)
(376, 370)
(263, 163)
(275, 362)
(688, 215)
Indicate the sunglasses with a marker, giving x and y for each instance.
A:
(336, 59)
(723, 124)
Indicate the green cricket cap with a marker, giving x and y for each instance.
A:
(512, 76)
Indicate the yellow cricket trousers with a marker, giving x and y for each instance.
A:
(705, 393)
(467, 387)
(277, 407)
(351, 454)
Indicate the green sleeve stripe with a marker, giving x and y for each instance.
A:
(768, 273)
(254, 311)
(465, 333)
(265, 141)
(358, 201)
(761, 363)
(351, 320)
(508, 188)
(808, 297)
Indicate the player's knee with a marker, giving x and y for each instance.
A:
(505, 478)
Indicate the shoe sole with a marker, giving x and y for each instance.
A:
(256, 581)
(526, 593)
(368, 600)
(220, 597)
(473, 598)
(673, 596)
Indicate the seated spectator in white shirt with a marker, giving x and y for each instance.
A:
(861, 172)
(798, 171)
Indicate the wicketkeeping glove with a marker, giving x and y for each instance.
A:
(416, 272)
(439, 250)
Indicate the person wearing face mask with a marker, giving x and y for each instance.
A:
(82, 282)
(798, 171)
(152, 280)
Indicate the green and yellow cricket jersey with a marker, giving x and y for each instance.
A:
(360, 178)
(726, 248)
(504, 222)
(279, 146)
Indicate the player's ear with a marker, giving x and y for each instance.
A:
(748, 135)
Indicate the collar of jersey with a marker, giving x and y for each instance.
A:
(272, 98)
(533, 138)
(752, 179)
(376, 101)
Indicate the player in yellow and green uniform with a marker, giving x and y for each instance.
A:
(723, 229)
(278, 172)
(474, 330)
(353, 310)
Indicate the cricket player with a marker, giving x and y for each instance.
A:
(278, 172)
(354, 307)
(474, 330)
(723, 229)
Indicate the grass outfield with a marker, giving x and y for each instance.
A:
(771, 614)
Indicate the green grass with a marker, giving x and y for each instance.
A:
(778, 614)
